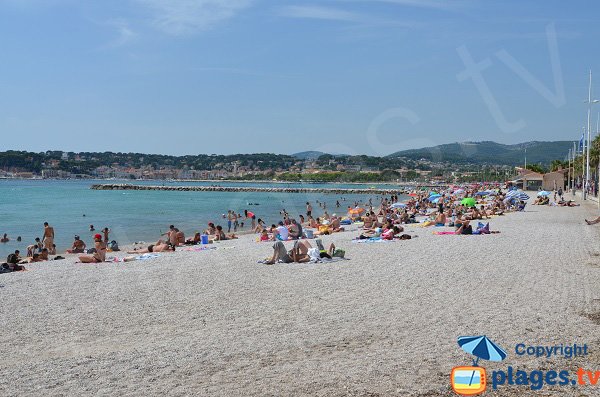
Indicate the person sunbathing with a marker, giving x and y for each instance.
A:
(179, 238)
(592, 222)
(12, 263)
(390, 234)
(221, 236)
(300, 252)
(295, 230)
(440, 219)
(99, 255)
(160, 246)
(376, 232)
(264, 236)
(195, 240)
(212, 230)
(78, 246)
(569, 203)
(463, 226)
(368, 221)
(335, 224)
(280, 254)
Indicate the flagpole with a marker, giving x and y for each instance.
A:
(589, 133)
(583, 195)
(573, 175)
(569, 173)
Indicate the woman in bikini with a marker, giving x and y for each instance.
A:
(99, 255)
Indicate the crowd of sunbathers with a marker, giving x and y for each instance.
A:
(384, 221)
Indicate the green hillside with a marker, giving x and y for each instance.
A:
(488, 152)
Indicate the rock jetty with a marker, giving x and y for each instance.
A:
(245, 189)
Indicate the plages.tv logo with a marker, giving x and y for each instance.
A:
(470, 380)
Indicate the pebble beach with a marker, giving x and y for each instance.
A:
(383, 323)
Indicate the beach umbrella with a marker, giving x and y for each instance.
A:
(413, 194)
(435, 200)
(468, 201)
(482, 348)
(398, 205)
(544, 193)
(434, 196)
(483, 193)
(517, 195)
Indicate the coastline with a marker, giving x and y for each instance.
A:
(260, 181)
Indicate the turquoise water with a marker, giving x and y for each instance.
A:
(139, 215)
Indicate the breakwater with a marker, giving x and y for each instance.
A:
(234, 189)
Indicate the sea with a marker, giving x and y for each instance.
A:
(70, 206)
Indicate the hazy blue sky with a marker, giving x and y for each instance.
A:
(345, 76)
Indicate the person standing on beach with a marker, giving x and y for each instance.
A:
(48, 236)
(308, 209)
(251, 215)
(229, 220)
(236, 223)
(105, 231)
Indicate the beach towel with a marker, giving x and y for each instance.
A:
(371, 240)
(147, 256)
(444, 233)
(198, 249)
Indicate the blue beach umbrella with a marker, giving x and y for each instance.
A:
(481, 347)
(544, 193)
(434, 196)
(518, 195)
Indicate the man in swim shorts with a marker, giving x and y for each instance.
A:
(48, 236)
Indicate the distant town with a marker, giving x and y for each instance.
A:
(464, 162)
(69, 165)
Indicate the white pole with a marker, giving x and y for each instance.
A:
(574, 157)
(569, 171)
(589, 132)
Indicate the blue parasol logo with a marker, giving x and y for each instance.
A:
(471, 380)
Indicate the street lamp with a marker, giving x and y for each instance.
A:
(590, 102)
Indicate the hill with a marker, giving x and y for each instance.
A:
(309, 155)
(488, 152)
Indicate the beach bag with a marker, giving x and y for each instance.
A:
(338, 253)
(113, 246)
(308, 233)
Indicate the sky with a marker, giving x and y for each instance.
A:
(285, 76)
